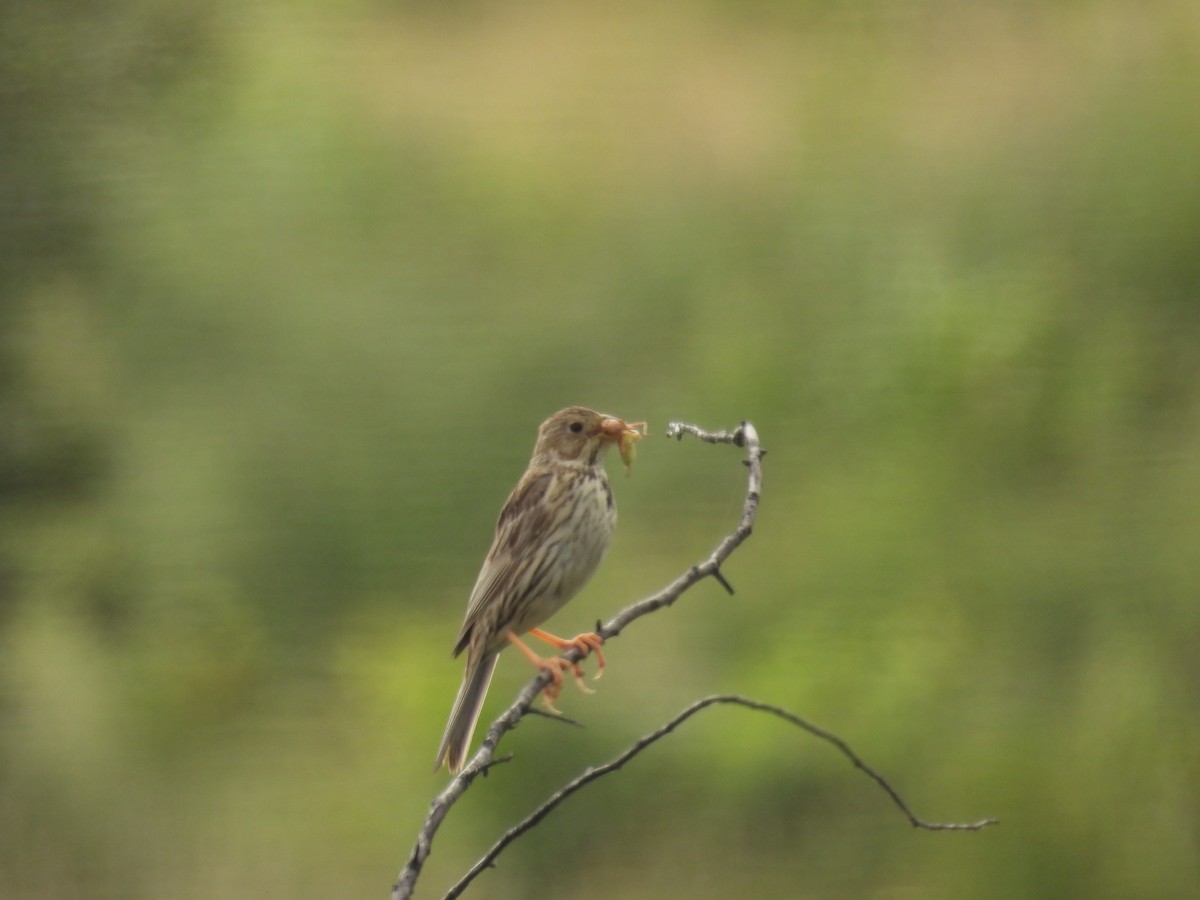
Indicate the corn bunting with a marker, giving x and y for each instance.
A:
(552, 533)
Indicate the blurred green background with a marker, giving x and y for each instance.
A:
(285, 289)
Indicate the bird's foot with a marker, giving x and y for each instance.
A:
(586, 643)
(556, 666)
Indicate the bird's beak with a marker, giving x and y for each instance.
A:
(624, 435)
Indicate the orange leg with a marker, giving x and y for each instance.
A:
(586, 643)
(554, 665)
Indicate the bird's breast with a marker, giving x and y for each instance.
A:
(572, 545)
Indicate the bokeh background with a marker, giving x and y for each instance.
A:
(285, 289)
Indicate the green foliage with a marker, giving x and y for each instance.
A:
(287, 289)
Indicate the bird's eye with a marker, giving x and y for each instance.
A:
(576, 427)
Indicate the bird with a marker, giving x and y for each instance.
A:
(551, 534)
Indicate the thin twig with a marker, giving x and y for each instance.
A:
(742, 436)
(591, 774)
(554, 717)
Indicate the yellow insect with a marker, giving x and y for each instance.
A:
(629, 437)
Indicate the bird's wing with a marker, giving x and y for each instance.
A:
(522, 518)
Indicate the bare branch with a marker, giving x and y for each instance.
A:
(591, 774)
(742, 436)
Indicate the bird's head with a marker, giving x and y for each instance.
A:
(580, 435)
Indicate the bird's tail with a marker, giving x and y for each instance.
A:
(456, 742)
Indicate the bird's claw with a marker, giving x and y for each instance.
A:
(550, 692)
(587, 643)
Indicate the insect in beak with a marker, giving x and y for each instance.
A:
(625, 435)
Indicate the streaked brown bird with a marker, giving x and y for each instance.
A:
(552, 533)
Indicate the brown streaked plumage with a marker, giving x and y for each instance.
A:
(551, 534)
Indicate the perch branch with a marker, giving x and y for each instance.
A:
(743, 436)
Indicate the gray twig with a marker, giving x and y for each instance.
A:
(591, 774)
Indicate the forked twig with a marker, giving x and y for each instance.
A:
(743, 436)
